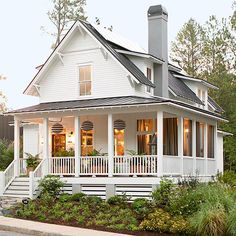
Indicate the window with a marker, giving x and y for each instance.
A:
(119, 137)
(199, 139)
(187, 133)
(210, 142)
(85, 80)
(86, 138)
(149, 76)
(170, 136)
(146, 136)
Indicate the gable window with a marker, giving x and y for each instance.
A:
(85, 83)
(149, 76)
(146, 137)
(199, 139)
(187, 137)
(210, 142)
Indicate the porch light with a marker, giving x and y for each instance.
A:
(119, 125)
(57, 128)
(87, 125)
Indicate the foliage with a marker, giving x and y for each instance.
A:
(231, 222)
(6, 153)
(65, 153)
(228, 177)
(210, 221)
(3, 98)
(162, 194)
(162, 222)
(118, 201)
(63, 14)
(50, 185)
(96, 152)
(32, 160)
(208, 51)
(142, 207)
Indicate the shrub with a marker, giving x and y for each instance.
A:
(162, 222)
(32, 161)
(228, 177)
(50, 185)
(209, 221)
(142, 207)
(118, 200)
(231, 222)
(77, 197)
(65, 197)
(162, 194)
(6, 153)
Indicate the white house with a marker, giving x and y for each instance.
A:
(99, 91)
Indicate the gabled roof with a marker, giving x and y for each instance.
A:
(181, 89)
(129, 65)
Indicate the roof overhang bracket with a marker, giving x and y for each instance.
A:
(131, 80)
(60, 55)
(37, 87)
(104, 53)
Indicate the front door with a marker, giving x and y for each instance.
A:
(58, 143)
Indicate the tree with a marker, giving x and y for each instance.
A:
(98, 22)
(63, 14)
(3, 99)
(188, 47)
(215, 62)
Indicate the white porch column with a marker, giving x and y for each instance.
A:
(160, 143)
(194, 147)
(77, 146)
(45, 146)
(205, 148)
(110, 145)
(16, 146)
(181, 143)
(216, 149)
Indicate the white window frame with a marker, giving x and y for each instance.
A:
(149, 87)
(78, 72)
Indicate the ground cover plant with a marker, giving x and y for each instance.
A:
(188, 208)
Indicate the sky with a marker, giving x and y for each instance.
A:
(23, 45)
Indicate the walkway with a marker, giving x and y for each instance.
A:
(43, 229)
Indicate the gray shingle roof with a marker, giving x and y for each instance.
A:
(89, 103)
(182, 90)
(129, 65)
(215, 105)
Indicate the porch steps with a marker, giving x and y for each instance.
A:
(18, 188)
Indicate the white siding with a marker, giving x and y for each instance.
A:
(31, 139)
(220, 153)
(109, 78)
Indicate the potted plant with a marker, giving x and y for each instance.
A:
(32, 162)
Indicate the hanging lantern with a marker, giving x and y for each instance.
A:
(57, 128)
(87, 125)
(119, 124)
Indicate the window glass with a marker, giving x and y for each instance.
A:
(170, 136)
(146, 137)
(210, 143)
(119, 137)
(187, 136)
(85, 80)
(199, 139)
(86, 142)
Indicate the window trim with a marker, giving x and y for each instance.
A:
(151, 89)
(78, 79)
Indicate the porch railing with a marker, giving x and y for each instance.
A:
(22, 166)
(62, 165)
(135, 165)
(94, 165)
(9, 175)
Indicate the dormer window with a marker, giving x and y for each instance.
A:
(149, 76)
(202, 96)
(85, 80)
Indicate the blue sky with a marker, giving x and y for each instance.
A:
(23, 45)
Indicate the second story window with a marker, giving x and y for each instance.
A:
(149, 76)
(85, 80)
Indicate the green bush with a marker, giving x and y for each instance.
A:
(77, 197)
(231, 222)
(142, 207)
(6, 153)
(32, 160)
(209, 221)
(162, 222)
(162, 194)
(50, 185)
(228, 177)
(118, 200)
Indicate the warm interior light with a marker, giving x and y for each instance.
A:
(186, 130)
